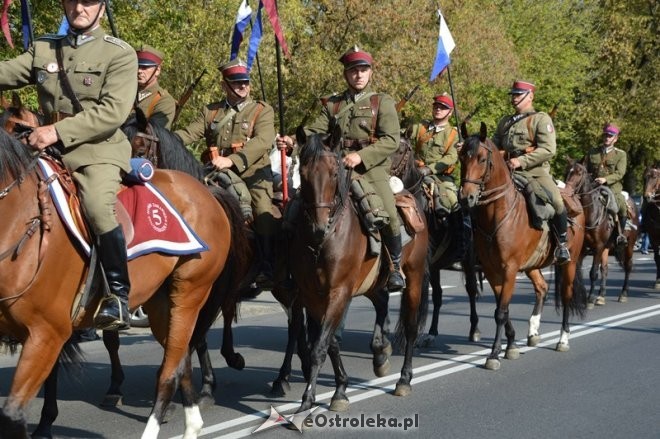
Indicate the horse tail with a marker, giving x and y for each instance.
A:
(578, 303)
(225, 293)
(422, 312)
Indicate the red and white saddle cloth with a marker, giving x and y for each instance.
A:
(158, 227)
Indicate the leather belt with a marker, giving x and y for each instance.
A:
(356, 145)
(57, 116)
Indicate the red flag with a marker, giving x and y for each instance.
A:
(271, 8)
(4, 22)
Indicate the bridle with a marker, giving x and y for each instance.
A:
(488, 196)
(151, 144)
(582, 193)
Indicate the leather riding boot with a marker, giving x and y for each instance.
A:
(560, 223)
(457, 230)
(395, 282)
(113, 311)
(265, 246)
(621, 239)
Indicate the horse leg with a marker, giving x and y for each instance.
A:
(436, 288)
(294, 322)
(541, 290)
(593, 275)
(656, 258)
(49, 410)
(568, 277)
(339, 402)
(113, 396)
(380, 345)
(193, 417)
(472, 289)
(206, 398)
(503, 294)
(234, 359)
(627, 265)
(410, 320)
(604, 268)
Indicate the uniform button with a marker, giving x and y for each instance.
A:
(70, 58)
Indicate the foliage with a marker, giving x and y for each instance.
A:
(597, 59)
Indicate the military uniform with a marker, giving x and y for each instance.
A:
(102, 73)
(355, 119)
(609, 164)
(157, 104)
(229, 129)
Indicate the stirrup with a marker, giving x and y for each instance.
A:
(562, 255)
(395, 281)
(112, 314)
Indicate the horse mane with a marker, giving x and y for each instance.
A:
(312, 150)
(471, 145)
(15, 157)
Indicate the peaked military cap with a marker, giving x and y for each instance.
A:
(235, 70)
(445, 100)
(149, 56)
(520, 87)
(356, 57)
(611, 129)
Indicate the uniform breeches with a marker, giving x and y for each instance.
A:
(555, 197)
(621, 203)
(98, 186)
(385, 192)
(265, 222)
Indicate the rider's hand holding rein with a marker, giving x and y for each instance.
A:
(42, 137)
(221, 163)
(352, 160)
(513, 163)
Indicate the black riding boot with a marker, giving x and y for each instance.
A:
(621, 239)
(265, 246)
(457, 227)
(395, 282)
(113, 312)
(560, 223)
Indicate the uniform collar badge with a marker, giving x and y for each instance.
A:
(87, 80)
(143, 95)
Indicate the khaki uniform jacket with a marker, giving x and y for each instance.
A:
(610, 165)
(162, 111)
(356, 125)
(436, 152)
(253, 157)
(102, 71)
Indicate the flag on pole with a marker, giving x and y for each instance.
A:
(242, 20)
(26, 24)
(445, 46)
(255, 38)
(64, 27)
(271, 8)
(4, 22)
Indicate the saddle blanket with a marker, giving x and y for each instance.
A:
(158, 226)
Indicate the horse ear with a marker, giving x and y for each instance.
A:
(464, 131)
(141, 119)
(483, 132)
(4, 102)
(16, 100)
(301, 136)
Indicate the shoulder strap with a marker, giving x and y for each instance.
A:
(423, 136)
(260, 107)
(530, 132)
(375, 103)
(450, 139)
(515, 118)
(152, 105)
(64, 79)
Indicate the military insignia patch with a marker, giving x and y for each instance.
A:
(244, 126)
(550, 128)
(363, 123)
(87, 80)
(52, 67)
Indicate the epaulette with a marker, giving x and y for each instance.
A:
(51, 37)
(116, 41)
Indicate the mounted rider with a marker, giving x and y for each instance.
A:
(86, 86)
(607, 166)
(529, 141)
(239, 133)
(434, 143)
(155, 102)
(370, 133)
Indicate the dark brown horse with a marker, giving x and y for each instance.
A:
(600, 232)
(651, 215)
(506, 244)
(441, 241)
(331, 263)
(41, 270)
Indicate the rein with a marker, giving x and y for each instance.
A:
(591, 202)
(151, 144)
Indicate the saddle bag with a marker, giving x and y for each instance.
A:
(369, 205)
(609, 200)
(229, 180)
(572, 203)
(407, 207)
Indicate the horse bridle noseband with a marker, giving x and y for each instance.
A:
(498, 191)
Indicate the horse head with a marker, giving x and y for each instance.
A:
(651, 183)
(323, 181)
(18, 119)
(478, 157)
(144, 141)
(577, 177)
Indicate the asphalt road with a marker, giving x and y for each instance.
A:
(606, 386)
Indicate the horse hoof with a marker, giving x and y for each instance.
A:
(512, 353)
(339, 405)
(657, 285)
(623, 298)
(562, 347)
(112, 401)
(475, 336)
(387, 350)
(383, 369)
(237, 362)
(590, 305)
(533, 340)
(280, 388)
(205, 401)
(600, 301)
(426, 341)
(493, 364)
(169, 413)
(402, 389)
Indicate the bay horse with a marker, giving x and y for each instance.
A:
(506, 243)
(331, 263)
(441, 242)
(600, 232)
(41, 269)
(651, 215)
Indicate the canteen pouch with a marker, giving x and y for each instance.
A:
(407, 207)
(229, 180)
(369, 205)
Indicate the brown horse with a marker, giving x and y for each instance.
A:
(506, 243)
(17, 118)
(600, 232)
(41, 270)
(331, 262)
(651, 215)
(441, 242)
